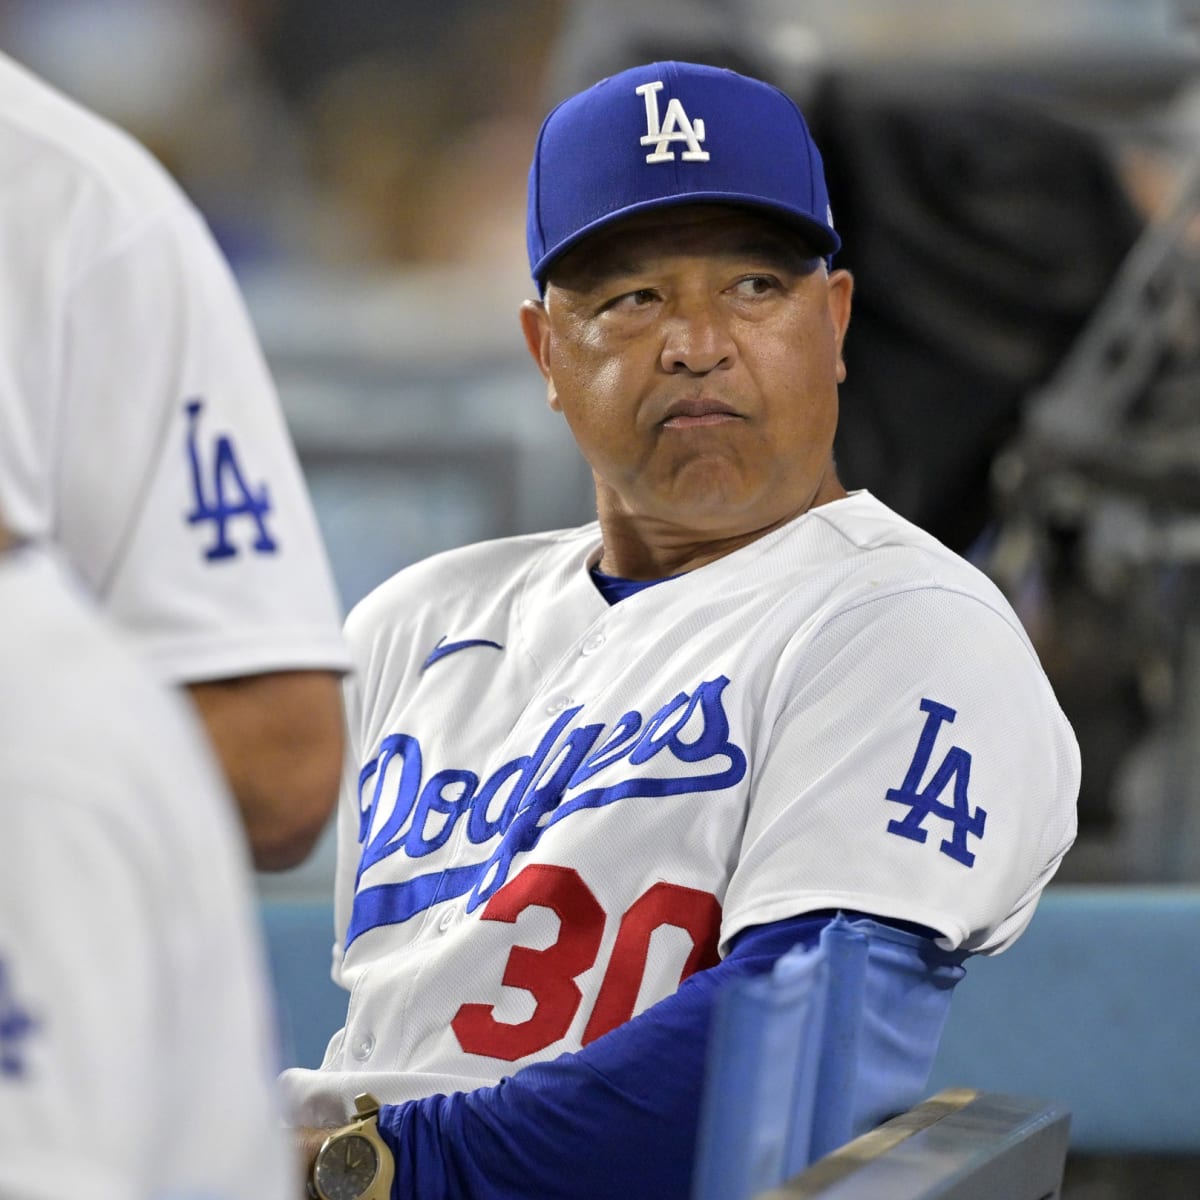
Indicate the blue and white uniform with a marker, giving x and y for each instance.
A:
(558, 809)
(140, 430)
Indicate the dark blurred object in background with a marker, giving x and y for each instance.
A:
(982, 231)
(1099, 522)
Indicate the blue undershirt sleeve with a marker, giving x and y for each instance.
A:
(619, 1117)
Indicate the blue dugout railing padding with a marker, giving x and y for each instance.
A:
(1097, 1006)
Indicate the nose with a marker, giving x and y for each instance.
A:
(697, 339)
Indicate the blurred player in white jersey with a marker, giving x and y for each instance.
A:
(136, 1043)
(141, 432)
(597, 773)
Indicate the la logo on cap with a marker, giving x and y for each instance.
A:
(677, 127)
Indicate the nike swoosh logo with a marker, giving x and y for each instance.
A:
(444, 647)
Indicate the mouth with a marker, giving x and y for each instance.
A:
(699, 413)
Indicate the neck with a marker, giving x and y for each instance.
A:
(641, 547)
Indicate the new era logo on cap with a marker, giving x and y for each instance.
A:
(671, 133)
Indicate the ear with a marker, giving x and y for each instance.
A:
(535, 324)
(841, 290)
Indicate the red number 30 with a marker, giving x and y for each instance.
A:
(550, 974)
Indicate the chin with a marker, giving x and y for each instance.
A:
(720, 513)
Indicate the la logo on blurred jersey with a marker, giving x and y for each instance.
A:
(16, 1025)
(674, 127)
(220, 492)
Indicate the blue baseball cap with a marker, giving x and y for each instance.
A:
(666, 134)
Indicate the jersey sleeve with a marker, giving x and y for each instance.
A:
(916, 766)
(181, 500)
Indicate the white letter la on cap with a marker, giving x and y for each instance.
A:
(676, 128)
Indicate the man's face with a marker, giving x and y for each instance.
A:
(695, 353)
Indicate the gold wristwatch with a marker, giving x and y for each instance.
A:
(354, 1162)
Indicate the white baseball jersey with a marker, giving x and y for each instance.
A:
(136, 1045)
(559, 809)
(139, 427)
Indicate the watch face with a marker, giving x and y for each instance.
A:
(347, 1168)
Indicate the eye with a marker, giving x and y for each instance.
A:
(628, 301)
(756, 285)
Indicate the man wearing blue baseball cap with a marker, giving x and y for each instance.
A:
(598, 774)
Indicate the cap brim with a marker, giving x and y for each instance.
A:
(823, 239)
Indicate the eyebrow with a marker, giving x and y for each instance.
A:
(790, 251)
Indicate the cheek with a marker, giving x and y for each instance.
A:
(607, 383)
(590, 386)
(567, 376)
(807, 356)
(797, 375)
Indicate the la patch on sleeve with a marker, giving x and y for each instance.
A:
(16, 1026)
(954, 771)
(220, 491)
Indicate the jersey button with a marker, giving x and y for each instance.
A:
(593, 643)
(446, 920)
(364, 1047)
(559, 703)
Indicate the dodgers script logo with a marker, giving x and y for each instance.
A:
(228, 496)
(416, 814)
(675, 127)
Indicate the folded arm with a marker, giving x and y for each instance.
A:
(625, 1108)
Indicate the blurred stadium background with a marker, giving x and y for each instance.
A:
(1018, 188)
